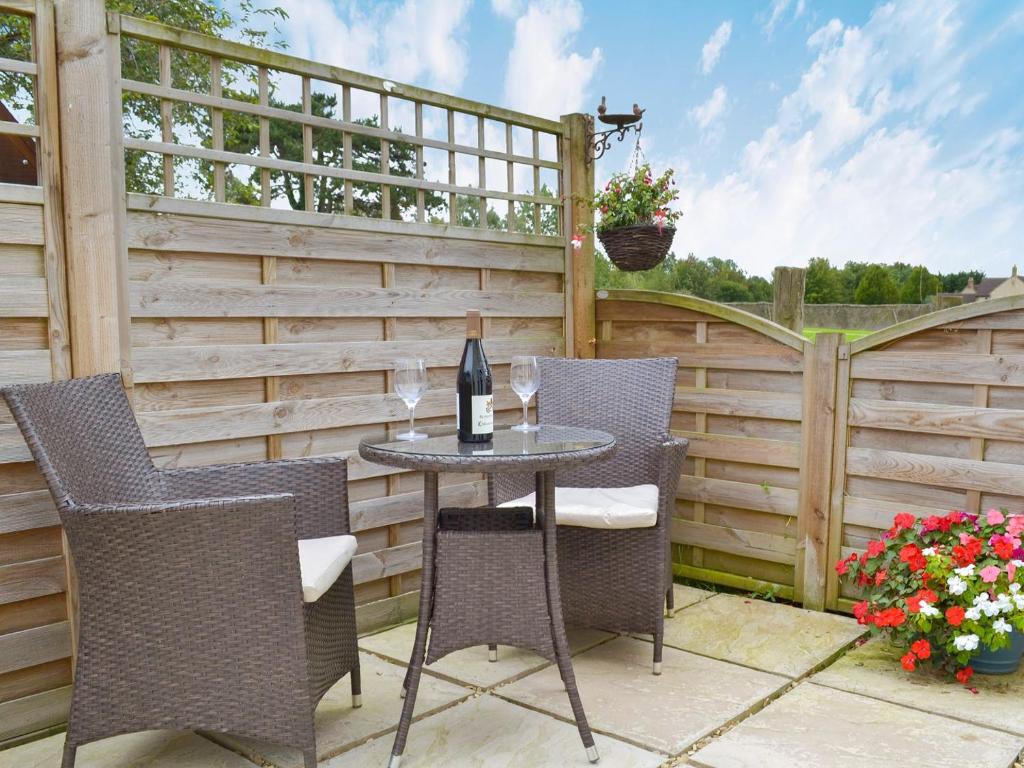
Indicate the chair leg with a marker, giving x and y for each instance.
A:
(68, 761)
(659, 637)
(309, 759)
(670, 601)
(357, 688)
(492, 650)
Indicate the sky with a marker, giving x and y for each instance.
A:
(797, 128)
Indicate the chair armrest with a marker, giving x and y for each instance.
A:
(671, 454)
(508, 486)
(320, 488)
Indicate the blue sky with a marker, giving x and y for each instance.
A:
(851, 130)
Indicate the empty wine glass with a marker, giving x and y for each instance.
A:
(410, 384)
(525, 381)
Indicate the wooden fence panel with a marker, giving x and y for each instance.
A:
(740, 402)
(35, 635)
(933, 421)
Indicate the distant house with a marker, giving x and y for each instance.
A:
(17, 155)
(993, 288)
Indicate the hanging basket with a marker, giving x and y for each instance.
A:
(638, 247)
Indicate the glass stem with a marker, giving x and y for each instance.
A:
(526, 401)
(412, 417)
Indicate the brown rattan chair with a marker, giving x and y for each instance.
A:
(612, 578)
(191, 598)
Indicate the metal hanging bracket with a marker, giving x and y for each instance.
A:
(623, 124)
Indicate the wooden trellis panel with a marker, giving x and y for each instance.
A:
(935, 421)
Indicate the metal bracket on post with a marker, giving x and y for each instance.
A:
(624, 123)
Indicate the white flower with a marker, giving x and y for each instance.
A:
(929, 610)
(1001, 625)
(928, 551)
(990, 609)
(956, 585)
(1018, 601)
(966, 642)
(967, 571)
(981, 599)
(1018, 563)
(1003, 603)
(1015, 588)
(973, 613)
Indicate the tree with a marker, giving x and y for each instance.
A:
(919, 285)
(876, 287)
(955, 282)
(823, 283)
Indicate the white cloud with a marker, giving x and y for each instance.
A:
(853, 169)
(544, 75)
(707, 113)
(778, 9)
(507, 8)
(712, 49)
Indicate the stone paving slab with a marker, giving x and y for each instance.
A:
(486, 732)
(340, 727)
(756, 633)
(472, 665)
(825, 728)
(150, 749)
(685, 595)
(874, 670)
(692, 697)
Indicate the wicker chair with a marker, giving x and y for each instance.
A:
(191, 597)
(616, 577)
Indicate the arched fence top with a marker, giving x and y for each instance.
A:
(722, 311)
(935, 319)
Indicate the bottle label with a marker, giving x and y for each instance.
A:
(483, 414)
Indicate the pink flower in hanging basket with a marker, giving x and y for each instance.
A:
(660, 218)
(648, 180)
(577, 241)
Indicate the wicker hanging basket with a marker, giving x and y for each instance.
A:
(638, 247)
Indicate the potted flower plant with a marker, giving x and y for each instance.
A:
(948, 590)
(635, 227)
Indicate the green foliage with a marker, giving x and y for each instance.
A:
(824, 283)
(955, 282)
(638, 199)
(919, 285)
(876, 287)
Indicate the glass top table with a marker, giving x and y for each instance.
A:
(510, 450)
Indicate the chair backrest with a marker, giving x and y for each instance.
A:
(631, 399)
(85, 440)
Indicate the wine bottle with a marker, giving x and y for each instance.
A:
(474, 389)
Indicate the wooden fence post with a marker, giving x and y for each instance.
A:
(579, 172)
(92, 161)
(788, 297)
(821, 361)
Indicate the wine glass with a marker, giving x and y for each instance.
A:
(525, 381)
(410, 384)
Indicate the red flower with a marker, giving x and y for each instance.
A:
(1003, 548)
(890, 617)
(880, 577)
(922, 595)
(955, 615)
(967, 551)
(843, 565)
(862, 612)
(911, 555)
(964, 675)
(921, 648)
(875, 548)
(902, 521)
(909, 662)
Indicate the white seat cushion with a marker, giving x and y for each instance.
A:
(321, 562)
(635, 506)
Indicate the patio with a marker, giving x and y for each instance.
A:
(746, 683)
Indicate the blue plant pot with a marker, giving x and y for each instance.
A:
(1001, 662)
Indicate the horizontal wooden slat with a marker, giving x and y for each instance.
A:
(988, 476)
(25, 511)
(945, 367)
(196, 425)
(785, 359)
(387, 612)
(21, 193)
(34, 713)
(190, 300)
(248, 360)
(18, 129)
(21, 224)
(316, 121)
(48, 609)
(990, 423)
(727, 493)
(292, 166)
(281, 218)
(32, 680)
(35, 578)
(874, 513)
(407, 507)
(38, 645)
(25, 367)
(23, 296)
(387, 562)
(12, 445)
(148, 30)
(733, 402)
(16, 65)
(746, 450)
(760, 546)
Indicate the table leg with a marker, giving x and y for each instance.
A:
(412, 677)
(545, 497)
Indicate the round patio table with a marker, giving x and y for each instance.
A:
(541, 452)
